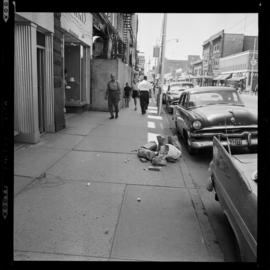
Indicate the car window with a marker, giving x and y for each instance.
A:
(176, 88)
(185, 103)
(182, 100)
(218, 97)
(187, 85)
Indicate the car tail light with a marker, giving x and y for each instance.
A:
(197, 124)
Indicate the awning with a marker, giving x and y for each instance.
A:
(222, 77)
(236, 79)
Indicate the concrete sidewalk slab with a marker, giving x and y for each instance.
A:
(61, 217)
(61, 141)
(82, 130)
(34, 160)
(115, 168)
(88, 117)
(110, 144)
(20, 183)
(39, 256)
(161, 227)
(119, 131)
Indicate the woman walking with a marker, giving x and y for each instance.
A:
(135, 92)
(127, 91)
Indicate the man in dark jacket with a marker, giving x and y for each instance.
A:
(113, 96)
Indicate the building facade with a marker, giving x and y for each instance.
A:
(77, 45)
(221, 45)
(241, 67)
(114, 52)
(141, 61)
(33, 75)
(191, 60)
(170, 66)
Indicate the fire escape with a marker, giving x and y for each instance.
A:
(127, 27)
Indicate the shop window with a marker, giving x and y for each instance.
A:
(40, 39)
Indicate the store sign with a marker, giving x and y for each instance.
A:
(78, 25)
(156, 52)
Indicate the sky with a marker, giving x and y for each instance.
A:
(191, 30)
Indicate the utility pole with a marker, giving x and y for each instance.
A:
(163, 47)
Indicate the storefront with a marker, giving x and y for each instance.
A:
(77, 29)
(33, 76)
(243, 69)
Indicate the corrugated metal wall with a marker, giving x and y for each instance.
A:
(25, 76)
(23, 103)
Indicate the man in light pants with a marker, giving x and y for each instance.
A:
(144, 87)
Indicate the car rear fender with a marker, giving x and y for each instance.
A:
(236, 232)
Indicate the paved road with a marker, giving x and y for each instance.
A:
(198, 168)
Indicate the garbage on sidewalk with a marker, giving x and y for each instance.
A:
(168, 149)
(151, 168)
(152, 145)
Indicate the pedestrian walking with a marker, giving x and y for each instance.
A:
(113, 95)
(144, 88)
(135, 93)
(127, 91)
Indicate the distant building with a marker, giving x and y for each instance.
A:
(191, 60)
(240, 67)
(221, 45)
(141, 61)
(197, 68)
(170, 66)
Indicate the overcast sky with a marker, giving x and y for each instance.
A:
(192, 29)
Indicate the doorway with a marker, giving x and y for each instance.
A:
(41, 88)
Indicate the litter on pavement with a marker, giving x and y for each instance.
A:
(168, 149)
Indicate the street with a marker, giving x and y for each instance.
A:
(198, 169)
(80, 200)
(82, 190)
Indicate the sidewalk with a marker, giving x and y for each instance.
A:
(76, 196)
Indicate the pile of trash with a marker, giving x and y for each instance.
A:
(168, 149)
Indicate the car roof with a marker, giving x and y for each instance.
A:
(209, 89)
(183, 82)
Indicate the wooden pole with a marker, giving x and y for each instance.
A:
(163, 48)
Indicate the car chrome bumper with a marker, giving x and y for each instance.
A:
(207, 144)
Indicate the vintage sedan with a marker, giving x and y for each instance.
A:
(233, 178)
(205, 112)
(174, 91)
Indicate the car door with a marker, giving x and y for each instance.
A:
(185, 115)
(236, 197)
(179, 114)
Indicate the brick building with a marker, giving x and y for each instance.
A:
(221, 45)
(240, 68)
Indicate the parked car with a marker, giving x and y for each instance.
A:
(205, 112)
(173, 94)
(164, 91)
(233, 178)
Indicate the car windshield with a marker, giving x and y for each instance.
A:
(187, 85)
(215, 97)
(179, 87)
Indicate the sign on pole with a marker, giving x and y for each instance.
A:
(156, 51)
